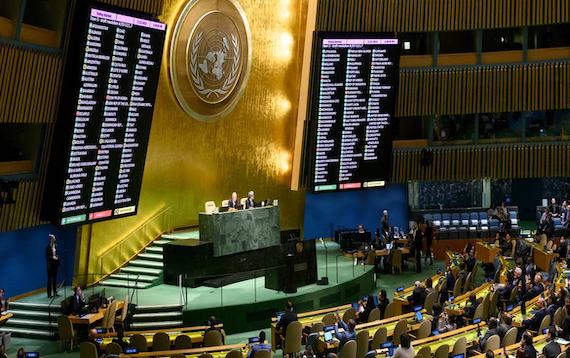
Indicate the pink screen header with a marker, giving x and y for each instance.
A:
(128, 19)
(359, 42)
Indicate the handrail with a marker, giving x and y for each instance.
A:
(121, 252)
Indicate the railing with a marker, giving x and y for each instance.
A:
(133, 243)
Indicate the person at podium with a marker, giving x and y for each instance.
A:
(233, 203)
(250, 201)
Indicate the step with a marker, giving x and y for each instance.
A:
(17, 322)
(157, 316)
(126, 284)
(26, 332)
(146, 263)
(151, 256)
(55, 307)
(155, 325)
(133, 277)
(141, 270)
(154, 249)
(161, 242)
(159, 308)
(44, 315)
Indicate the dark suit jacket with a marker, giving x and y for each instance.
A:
(533, 323)
(382, 306)
(49, 256)
(418, 296)
(287, 318)
(529, 352)
(470, 263)
(502, 329)
(76, 304)
(487, 335)
(533, 292)
(249, 203)
(551, 350)
(232, 204)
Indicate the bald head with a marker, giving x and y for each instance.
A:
(518, 272)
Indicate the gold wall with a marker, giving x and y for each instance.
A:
(190, 162)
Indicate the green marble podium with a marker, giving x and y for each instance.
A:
(243, 230)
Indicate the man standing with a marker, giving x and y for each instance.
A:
(419, 238)
(250, 202)
(233, 202)
(52, 261)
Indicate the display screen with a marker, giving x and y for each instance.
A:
(354, 96)
(105, 116)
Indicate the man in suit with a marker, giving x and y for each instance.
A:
(472, 307)
(418, 295)
(3, 301)
(536, 289)
(533, 323)
(52, 262)
(504, 327)
(287, 317)
(76, 303)
(261, 346)
(492, 331)
(233, 202)
(348, 334)
(250, 201)
(552, 348)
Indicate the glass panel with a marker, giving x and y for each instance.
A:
(543, 124)
(416, 43)
(457, 41)
(406, 128)
(453, 128)
(496, 126)
(549, 36)
(445, 195)
(502, 40)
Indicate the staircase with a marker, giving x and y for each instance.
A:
(33, 320)
(146, 270)
(157, 317)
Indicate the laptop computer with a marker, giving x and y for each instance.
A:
(400, 289)
(253, 340)
(32, 354)
(417, 308)
(131, 350)
(329, 336)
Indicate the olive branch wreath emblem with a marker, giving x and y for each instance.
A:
(197, 79)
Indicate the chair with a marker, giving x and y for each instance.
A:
(138, 341)
(559, 316)
(242, 201)
(121, 319)
(465, 219)
(160, 342)
(479, 311)
(401, 328)
(183, 342)
(392, 310)
(457, 288)
(374, 315)
(424, 352)
(113, 348)
(380, 337)
(474, 219)
(362, 343)
(549, 245)
(234, 354)
(317, 327)
(225, 203)
(209, 207)
(493, 304)
(545, 323)
(510, 337)
(313, 341)
(329, 319)
(460, 347)
(442, 351)
(88, 350)
(430, 301)
(66, 332)
(493, 343)
(262, 354)
(108, 322)
(396, 261)
(561, 355)
(423, 331)
(467, 285)
(350, 313)
(348, 350)
(293, 337)
(214, 338)
(205, 355)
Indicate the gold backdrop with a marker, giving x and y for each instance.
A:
(190, 162)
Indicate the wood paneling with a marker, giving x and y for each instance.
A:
(475, 162)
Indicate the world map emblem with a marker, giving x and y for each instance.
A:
(210, 57)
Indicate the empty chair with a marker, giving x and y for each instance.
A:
(446, 220)
(348, 350)
(510, 337)
(380, 337)
(468, 281)
(493, 304)
(392, 310)
(430, 301)
(108, 322)
(121, 319)
(374, 315)
(160, 342)
(457, 288)
(460, 347)
(465, 219)
(493, 343)
(349, 313)
(293, 337)
(479, 311)
(234, 354)
(182, 342)
(424, 352)
(113, 348)
(209, 207)
(396, 261)
(442, 351)
(401, 327)
(329, 319)
(483, 218)
(138, 341)
(436, 220)
(559, 316)
(214, 338)
(66, 332)
(423, 331)
(474, 219)
(88, 350)
(455, 219)
(317, 327)
(362, 343)
(225, 203)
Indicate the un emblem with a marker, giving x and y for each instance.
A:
(210, 57)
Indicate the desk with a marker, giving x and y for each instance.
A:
(216, 352)
(242, 230)
(307, 319)
(91, 318)
(485, 252)
(401, 297)
(459, 303)
(5, 317)
(385, 252)
(541, 257)
(539, 343)
(517, 314)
